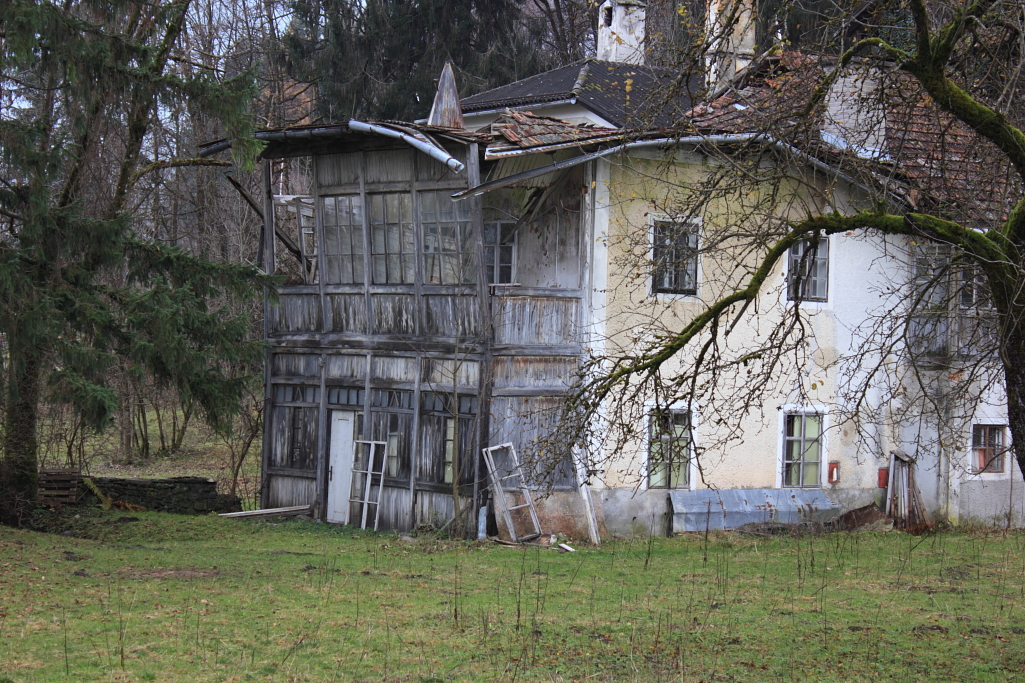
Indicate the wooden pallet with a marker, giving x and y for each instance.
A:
(58, 486)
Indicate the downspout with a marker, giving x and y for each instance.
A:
(430, 150)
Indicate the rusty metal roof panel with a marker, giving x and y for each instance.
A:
(709, 509)
(523, 131)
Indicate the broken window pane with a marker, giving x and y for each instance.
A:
(448, 240)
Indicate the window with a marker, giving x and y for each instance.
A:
(808, 271)
(675, 257)
(391, 421)
(446, 435)
(499, 251)
(987, 448)
(392, 246)
(343, 240)
(953, 313)
(294, 425)
(669, 450)
(802, 450)
(448, 240)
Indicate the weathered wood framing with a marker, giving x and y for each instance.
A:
(432, 362)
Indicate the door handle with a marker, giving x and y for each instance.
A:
(330, 473)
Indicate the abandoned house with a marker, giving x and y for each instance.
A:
(446, 278)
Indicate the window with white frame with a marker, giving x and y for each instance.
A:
(808, 270)
(675, 257)
(802, 450)
(988, 448)
(669, 449)
(500, 251)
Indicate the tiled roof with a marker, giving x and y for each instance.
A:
(622, 94)
(523, 130)
(927, 157)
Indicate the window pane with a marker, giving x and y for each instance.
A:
(811, 474)
(674, 257)
(812, 425)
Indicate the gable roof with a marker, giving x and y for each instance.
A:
(925, 155)
(623, 94)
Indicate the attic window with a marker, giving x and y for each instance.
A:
(607, 16)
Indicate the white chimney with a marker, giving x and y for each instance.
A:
(730, 29)
(621, 31)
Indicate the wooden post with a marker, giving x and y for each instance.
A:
(267, 262)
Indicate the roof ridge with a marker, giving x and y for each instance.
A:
(581, 78)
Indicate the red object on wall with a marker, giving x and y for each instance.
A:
(833, 473)
(884, 477)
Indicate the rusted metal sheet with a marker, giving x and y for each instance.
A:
(523, 130)
(708, 509)
(446, 111)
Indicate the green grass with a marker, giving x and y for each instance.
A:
(168, 598)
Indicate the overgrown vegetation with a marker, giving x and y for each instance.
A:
(156, 597)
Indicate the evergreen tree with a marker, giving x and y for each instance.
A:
(380, 58)
(82, 83)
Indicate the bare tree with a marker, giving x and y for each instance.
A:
(903, 135)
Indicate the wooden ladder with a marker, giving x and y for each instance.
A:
(498, 489)
(368, 472)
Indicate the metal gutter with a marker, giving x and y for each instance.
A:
(506, 153)
(332, 131)
(692, 140)
(430, 150)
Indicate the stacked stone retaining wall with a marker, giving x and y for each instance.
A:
(181, 495)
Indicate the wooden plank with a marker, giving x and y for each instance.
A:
(293, 511)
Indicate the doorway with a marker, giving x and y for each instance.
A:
(339, 479)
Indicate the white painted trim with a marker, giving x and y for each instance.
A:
(793, 409)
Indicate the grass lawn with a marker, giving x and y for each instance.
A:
(155, 597)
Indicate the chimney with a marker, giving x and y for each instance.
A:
(621, 31)
(447, 110)
(730, 29)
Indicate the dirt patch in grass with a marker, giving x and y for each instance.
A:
(181, 573)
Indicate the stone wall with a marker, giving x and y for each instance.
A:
(181, 495)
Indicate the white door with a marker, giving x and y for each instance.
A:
(339, 477)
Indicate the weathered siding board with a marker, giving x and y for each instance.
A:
(534, 372)
(290, 491)
(548, 249)
(535, 321)
(291, 446)
(346, 367)
(394, 313)
(348, 313)
(521, 421)
(440, 371)
(451, 316)
(393, 368)
(389, 166)
(431, 170)
(296, 313)
(437, 508)
(296, 365)
(338, 169)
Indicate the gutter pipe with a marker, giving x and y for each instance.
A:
(693, 140)
(332, 131)
(430, 150)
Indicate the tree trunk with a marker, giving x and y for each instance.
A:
(1012, 350)
(20, 469)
